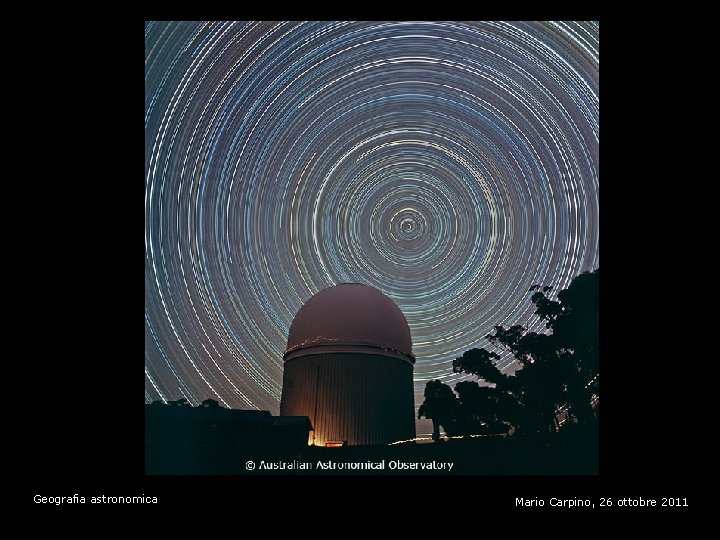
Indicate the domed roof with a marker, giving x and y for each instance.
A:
(350, 317)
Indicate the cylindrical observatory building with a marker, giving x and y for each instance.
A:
(349, 367)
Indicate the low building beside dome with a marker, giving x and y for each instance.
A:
(349, 368)
(209, 439)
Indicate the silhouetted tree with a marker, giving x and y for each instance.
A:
(182, 402)
(441, 406)
(479, 362)
(484, 409)
(210, 403)
(560, 369)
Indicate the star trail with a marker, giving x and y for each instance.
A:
(450, 165)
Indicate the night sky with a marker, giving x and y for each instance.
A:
(450, 165)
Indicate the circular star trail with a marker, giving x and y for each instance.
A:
(450, 165)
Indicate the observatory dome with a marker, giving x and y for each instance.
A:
(350, 317)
